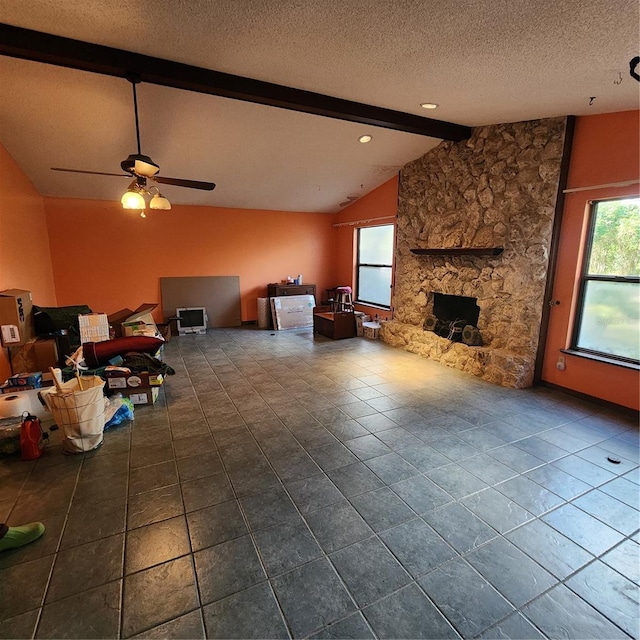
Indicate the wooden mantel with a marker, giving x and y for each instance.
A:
(460, 251)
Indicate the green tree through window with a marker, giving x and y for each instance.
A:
(608, 319)
(616, 238)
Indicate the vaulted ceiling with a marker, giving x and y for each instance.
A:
(482, 62)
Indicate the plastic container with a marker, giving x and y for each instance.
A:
(31, 440)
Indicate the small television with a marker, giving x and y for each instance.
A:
(192, 320)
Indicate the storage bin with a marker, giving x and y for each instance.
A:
(371, 330)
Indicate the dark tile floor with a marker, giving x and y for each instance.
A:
(285, 486)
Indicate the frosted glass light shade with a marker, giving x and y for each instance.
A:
(143, 168)
(160, 202)
(133, 200)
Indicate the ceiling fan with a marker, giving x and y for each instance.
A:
(142, 168)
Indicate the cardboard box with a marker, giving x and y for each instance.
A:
(47, 355)
(292, 312)
(140, 388)
(141, 316)
(145, 395)
(33, 380)
(116, 319)
(36, 355)
(119, 380)
(145, 326)
(16, 319)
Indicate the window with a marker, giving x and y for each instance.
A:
(375, 257)
(608, 311)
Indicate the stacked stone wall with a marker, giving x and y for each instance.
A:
(497, 189)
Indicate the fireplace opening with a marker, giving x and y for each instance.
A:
(454, 318)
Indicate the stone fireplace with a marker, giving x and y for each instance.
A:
(475, 220)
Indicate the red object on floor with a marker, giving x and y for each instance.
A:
(31, 438)
(97, 354)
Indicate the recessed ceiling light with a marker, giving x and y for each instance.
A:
(429, 105)
(365, 138)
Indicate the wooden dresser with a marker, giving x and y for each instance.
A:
(277, 290)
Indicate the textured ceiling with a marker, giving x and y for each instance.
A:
(483, 62)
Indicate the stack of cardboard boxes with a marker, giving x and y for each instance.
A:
(140, 388)
(136, 323)
(16, 330)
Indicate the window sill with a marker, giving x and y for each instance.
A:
(604, 359)
(373, 306)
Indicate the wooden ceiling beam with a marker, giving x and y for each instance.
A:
(75, 54)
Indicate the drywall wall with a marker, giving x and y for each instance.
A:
(120, 257)
(605, 150)
(378, 207)
(25, 261)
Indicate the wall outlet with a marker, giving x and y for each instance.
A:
(561, 364)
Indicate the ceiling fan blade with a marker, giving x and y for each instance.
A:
(349, 200)
(93, 173)
(191, 184)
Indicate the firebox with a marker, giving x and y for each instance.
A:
(455, 318)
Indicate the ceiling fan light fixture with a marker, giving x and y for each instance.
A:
(132, 197)
(159, 202)
(132, 200)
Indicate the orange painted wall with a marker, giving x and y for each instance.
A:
(25, 261)
(109, 258)
(605, 150)
(381, 203)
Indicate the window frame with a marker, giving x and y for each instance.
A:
(359, 264)
(585, 277)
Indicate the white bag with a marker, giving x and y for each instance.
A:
(80, 414)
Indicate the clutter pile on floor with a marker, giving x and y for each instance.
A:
(114, 364)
